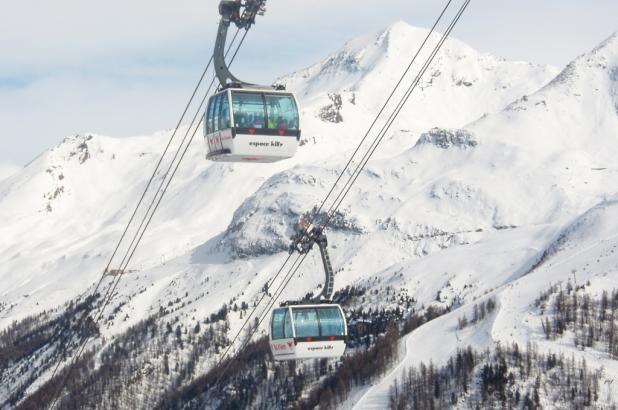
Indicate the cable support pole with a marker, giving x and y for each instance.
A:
(85, 338)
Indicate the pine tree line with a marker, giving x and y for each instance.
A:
(32, 346)
(505, 378)
(140, 364)
(157, 362)
(591, 320)
(253, 380)
(479, 313)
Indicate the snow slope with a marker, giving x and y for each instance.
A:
(489, 167)
(552, 153)
(7, 169)
(66, 210)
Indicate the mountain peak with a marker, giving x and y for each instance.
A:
(359, 74)
(399, 25)
(608, 45)
(402, 30)
(594, 67)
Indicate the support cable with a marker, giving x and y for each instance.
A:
(135, 242)
(343, 193)
(341, 174)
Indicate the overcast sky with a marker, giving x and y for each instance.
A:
(123, 68)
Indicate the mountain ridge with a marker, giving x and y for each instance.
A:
(452, 209)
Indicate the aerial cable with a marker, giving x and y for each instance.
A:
(116, 281)
(296, 264)
(341, 174)
(408, 93)
(392, 118)
(161, 191)
(377, 117)
(139, 203)
(176, 167)
(260, 318)
(386, 127)
(109, 295)
(110, 292)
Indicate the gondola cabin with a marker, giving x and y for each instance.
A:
(244, 125)
(308, 332)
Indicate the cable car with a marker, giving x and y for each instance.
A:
(308, 331)
(246, 122)
(245, 125)
(316, 328)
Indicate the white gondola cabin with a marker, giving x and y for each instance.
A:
(308, 332)
(248, 125)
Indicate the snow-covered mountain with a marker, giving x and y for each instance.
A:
(545, 164)
(67, 208)
(7, 169)
(461, 85)
(497, 181)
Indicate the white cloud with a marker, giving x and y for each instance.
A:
(40, 115)
(122, 68)
(39, 35)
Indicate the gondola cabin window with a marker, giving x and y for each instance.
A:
(210, 128)
(281, 325)
(331, 322)
(281, 112)
(224, 113)
(216, 112)
(248, 110)
(306, 322)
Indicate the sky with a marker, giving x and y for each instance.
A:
(123, 68)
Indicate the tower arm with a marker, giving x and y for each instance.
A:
(329, 283)
(243, 15)
(307, 235)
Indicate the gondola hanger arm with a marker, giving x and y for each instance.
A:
(242, 15)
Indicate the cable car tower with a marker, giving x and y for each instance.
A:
(309, 329)
(246, 122)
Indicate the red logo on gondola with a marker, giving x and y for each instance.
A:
(281, 132)
(280, 346)
(290, 343)
(251, 131)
